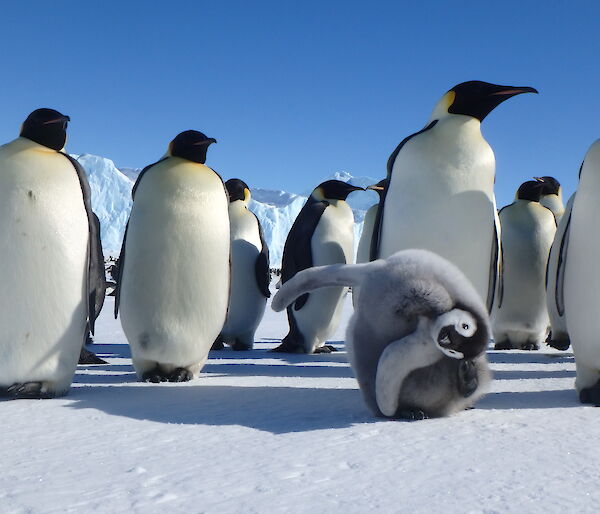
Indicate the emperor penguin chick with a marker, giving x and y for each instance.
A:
(48, 244)
(520, 316)
(323, 233)
(173, 285)
(249, 271)
(418, 335)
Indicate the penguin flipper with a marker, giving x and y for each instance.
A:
(559, 292)
(261, 266)
(297, 252)
(496, 277)
(96, 279)
(378, 225)
(120, 267)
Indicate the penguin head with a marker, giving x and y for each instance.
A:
(452, 332)
(530, 190)
(334, 190)
(46, 127)
(476, 99)
(238, 190)
(190, 145)
(550, 186)
(380, 187)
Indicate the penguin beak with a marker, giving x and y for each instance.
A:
(62, 119)
(375, 187)
(538, 179)
(509, 91)
(206, 142)
(355, 188)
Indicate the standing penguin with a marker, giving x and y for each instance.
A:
(441, 187)
(418, 335)
(250, 275)
(323, 233)
(551, 196)
(578, 278)
(173, 285)
(364, 244)
(520, 317)
(48, 243)
(559, 335)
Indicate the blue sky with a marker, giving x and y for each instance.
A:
(294, 91)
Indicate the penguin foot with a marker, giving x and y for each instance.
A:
(286, 347)
(467, 378)
(87, 357)
(411, 415)
(238, 346)
(28, 390)
(591, 395)
(503, 345)
(180, 375)
(155, 376)
(529, 346)
(326, 348)
(561, 345)
(217, 345)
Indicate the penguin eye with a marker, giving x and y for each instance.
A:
(465, 326)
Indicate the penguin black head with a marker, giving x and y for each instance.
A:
(379, 187)
(550, 186)
(46, 127)
(237, 189)
(191, 145)
(477, 99)
(530, 190)
(334, 190)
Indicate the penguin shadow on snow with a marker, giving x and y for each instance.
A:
(277, 410)
(529, 357)
(549, 399)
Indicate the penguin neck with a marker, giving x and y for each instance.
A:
(554, 203)
(238, 206)
(27, 144)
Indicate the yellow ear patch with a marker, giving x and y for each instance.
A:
(449, 98)
(246, 194)
(170, 148)
(318, 194)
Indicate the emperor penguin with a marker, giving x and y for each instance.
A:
(559, 335)
(417, 338)
(173, 286)
(48, 244)
(363, 251)
(578, 278)
(520, 316)
(551, 196)
(440, 195)
(323, 233)
(250, 275)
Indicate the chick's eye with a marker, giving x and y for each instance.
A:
(465, 326)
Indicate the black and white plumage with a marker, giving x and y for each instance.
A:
(49, 243)
(418, 335)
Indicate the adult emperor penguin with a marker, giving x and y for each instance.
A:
(520, 316)
(551, 196)
(363, 251)
(323, 233)
(250, 275)
(48, 244)
(418, 335)
(559, 335)
(441, 187)
(173, 285)
(578, 279)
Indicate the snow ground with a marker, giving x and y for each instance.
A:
(260, 432)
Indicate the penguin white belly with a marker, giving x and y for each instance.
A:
(43, 243)
(246, 302)
(363, 252)
(175, 284)
(555, 204)
(527, 233)
(441, 198)
(582, 280)
(332, 242)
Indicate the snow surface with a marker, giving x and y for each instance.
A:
(277, 210)
(263, 432)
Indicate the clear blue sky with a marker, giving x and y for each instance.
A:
(294, 91)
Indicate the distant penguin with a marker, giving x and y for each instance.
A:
(173, 285)
(578, 279)
(48, 244)
(364, 244)
(559, 335)
(440, 195)
(250, 275)
(551, 196)
(418, 335)
(520, 317)
(323, 233)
